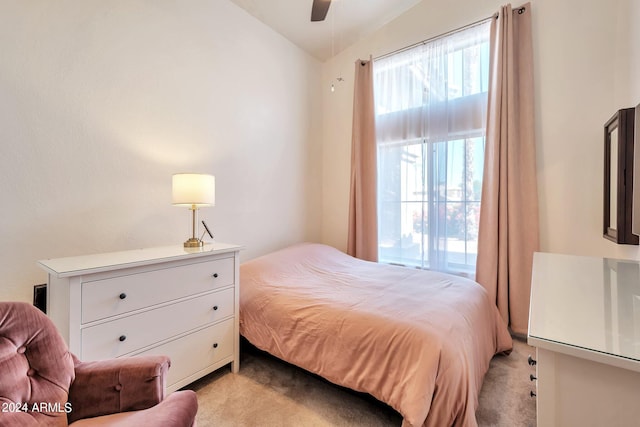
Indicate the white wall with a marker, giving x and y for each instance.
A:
(101, 102)
(587, 63)
(633, 17)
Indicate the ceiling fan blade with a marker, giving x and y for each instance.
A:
(319, 10)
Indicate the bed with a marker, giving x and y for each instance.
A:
(418, 340)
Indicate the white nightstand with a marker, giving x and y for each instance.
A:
(585, 324)
(170, 300)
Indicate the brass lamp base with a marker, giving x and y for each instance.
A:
(193, 243)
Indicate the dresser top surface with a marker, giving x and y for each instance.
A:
(95, 263)
(586, 303)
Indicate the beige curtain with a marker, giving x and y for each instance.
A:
(509, 213)
(363, 223)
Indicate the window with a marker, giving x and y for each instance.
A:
(431, 105)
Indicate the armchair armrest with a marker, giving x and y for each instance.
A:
(117, 385)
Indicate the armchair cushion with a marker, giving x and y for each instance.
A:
(177, 410)
(36, 367)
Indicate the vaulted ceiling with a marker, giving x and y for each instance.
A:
(347, 21)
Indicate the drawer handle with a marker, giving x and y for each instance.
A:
(215, 275)
(531, 360)
(215, 307)
(532, 394)
(122, 338)
(532, 377)
(215, 345)
(122, 295)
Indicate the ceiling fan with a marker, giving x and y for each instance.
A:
(319, 10)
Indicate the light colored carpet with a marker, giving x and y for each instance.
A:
(269, 392)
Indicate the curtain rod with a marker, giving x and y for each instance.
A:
(520, 11)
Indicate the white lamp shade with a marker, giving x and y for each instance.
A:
(191, 189)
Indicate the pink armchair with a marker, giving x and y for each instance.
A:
(43, 384)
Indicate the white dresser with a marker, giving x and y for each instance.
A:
(585, 324)
(171, 300)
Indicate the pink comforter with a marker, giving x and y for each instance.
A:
(417, 340)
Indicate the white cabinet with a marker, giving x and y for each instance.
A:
(175, 301)
(584, 321)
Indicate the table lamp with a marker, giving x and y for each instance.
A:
(193, 190)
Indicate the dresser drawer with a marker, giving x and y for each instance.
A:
(192, 353)
(131, 333)
(117, 295)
